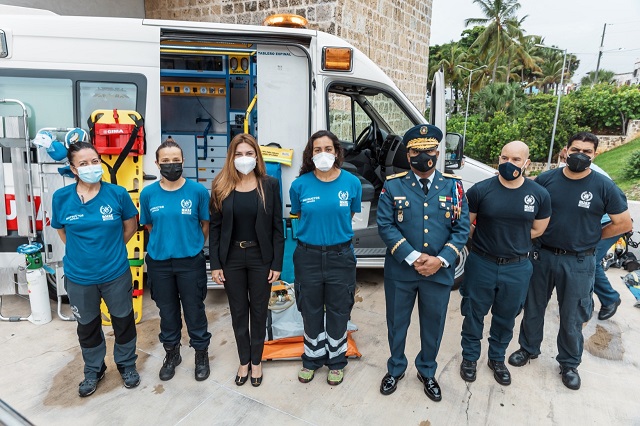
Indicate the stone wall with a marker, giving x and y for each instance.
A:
(393, 33)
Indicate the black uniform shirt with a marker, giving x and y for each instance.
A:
(578, 206)
(504, 215)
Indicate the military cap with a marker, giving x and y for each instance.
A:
(422, 137)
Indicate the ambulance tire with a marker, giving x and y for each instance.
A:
(53, 289)
(460, 261)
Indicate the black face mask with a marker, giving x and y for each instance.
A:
(509, 171)
(578, 162)
(423, 162)
(171, 171)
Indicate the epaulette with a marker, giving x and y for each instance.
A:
(451, 176)
(397, 175)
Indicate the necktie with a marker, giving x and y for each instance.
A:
(425, 185)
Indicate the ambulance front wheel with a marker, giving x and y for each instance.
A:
(53, 289)
(460, 262)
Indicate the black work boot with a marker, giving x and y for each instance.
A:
(171, 361)
(202, 365)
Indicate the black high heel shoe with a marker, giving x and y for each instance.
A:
(256, 381)
(242, 380)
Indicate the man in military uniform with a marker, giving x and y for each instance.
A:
(424, 221)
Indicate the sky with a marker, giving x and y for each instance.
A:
(568, 24)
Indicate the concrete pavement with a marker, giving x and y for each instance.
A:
(41, 366)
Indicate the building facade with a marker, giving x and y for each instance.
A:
(393, 33)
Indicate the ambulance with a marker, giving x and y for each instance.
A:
(199, 83)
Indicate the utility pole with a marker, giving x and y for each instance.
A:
(595, 78)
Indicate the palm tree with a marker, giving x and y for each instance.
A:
(501, 24)
(449, 56)
(508, 98)
(604, 76)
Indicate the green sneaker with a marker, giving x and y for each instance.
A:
(335, 377)
(305, 375)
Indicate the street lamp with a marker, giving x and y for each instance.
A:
(466, 112)
(555, 118)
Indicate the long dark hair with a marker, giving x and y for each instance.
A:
(307, 154)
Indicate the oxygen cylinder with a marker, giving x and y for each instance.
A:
(37, 284)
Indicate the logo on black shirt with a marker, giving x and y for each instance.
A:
(585, 199)
(529, 203)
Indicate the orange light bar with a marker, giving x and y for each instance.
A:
(287, 20)
(337, 58)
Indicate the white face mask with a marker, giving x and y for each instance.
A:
(324, 161)
(245, 164)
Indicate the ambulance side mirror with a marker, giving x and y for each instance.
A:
(454, 151)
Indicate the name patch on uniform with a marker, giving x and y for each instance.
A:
(186, 206)
(344, 198)
(73, 217)
(156, 209)
(585, 199)
(529, 203)
(309, 200)
(106, 212)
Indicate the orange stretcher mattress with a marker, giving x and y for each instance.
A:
(293, 347)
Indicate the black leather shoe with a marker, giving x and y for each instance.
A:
(241, 380)
(521, 357)
(171, 360)
(389, 384)
(500, 372)
(570, 377)
(608, 311)
(468, 370)
(431, 387)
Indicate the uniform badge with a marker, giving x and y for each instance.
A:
(516, 173)
(406, 203)
(400, 215)
(447, 215)
(423, 130)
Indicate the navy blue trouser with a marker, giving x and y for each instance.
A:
(183, 281)
(400, 297)
(572, 276)
(501, 288)
(248, 290)
(84, 301)
(325, 280)
(602, 287)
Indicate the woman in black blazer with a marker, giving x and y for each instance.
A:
(246, 246)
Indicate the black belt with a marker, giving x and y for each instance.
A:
(245, 244)
(499, 260)
(335, 247)
(559, 251)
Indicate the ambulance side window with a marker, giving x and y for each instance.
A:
(102, 95)
(346, 118)
(49, 101)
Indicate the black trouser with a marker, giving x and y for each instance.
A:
(175, 281)
(248, 290)
(325, 280)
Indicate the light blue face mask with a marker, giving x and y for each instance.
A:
(91, 173)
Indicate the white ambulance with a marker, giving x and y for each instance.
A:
(200, 83)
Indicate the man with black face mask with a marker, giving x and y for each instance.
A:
(564, 256)
(508, 211)
(424, 221)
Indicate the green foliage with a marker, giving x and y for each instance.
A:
(606, 109)
(632, 169)
(508, 98)
(604, 76)
(615, 161)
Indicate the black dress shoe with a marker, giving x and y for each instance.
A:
(500, 372)
(256, 381)
(468, 370)
(570, 377)
(389, 384)
(431, 387)
(521, 357)
(241, 380)
(608, 311)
